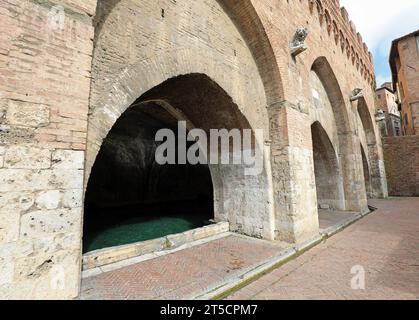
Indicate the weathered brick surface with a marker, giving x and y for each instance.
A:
(402, 165)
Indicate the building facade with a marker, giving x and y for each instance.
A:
(72, 71)
(401, 153)
(404, 62)
(387, 101)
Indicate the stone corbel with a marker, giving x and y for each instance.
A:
(380, 115)
(297, 44)
(356, 94)
(268, 143)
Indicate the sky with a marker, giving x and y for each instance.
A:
(380, 22)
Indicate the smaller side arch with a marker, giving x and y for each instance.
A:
(367, 172)
(376, 166)
(329, 183)
(366, 120)
(348, 151)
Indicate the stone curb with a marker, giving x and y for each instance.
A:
(245, 277)
(346, 223)
(329, 232)
(236, 283)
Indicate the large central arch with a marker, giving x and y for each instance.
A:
(132, 198)
(153, 68)
(133, 181)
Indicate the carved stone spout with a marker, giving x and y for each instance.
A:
(357, 94)
(297, 44)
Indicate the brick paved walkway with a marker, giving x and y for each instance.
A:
(385, 243)
(329, 219)
(183, 274)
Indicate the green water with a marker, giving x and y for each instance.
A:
(142, 229)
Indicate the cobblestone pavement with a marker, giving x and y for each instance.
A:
(183, 274)
(385, 244)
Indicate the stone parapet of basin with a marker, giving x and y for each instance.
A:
(103, 257)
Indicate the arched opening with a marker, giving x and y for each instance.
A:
(329, 185)
(366, 121)
(375, 183)
(346, 144)
(122, 72)
(367, 174)
(130, 198)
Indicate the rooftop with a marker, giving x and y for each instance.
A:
(394, 52)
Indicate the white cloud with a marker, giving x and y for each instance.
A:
(381, 21)
(382, 79)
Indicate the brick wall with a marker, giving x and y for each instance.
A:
(402, 165)
(45, 61)
(47, 85)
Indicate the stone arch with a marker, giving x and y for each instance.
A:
(187, 98)
(372, 149)
(367, 172)
(130, 197)
(103, 9)
(342, 40)
(347, 150)
(353, 56)
(320, 11)
(248, 22)
(324, 71)
(328, 19)
(348, 48)
(367, 121)
(122, 73)
(335, 32)
(329, 183)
